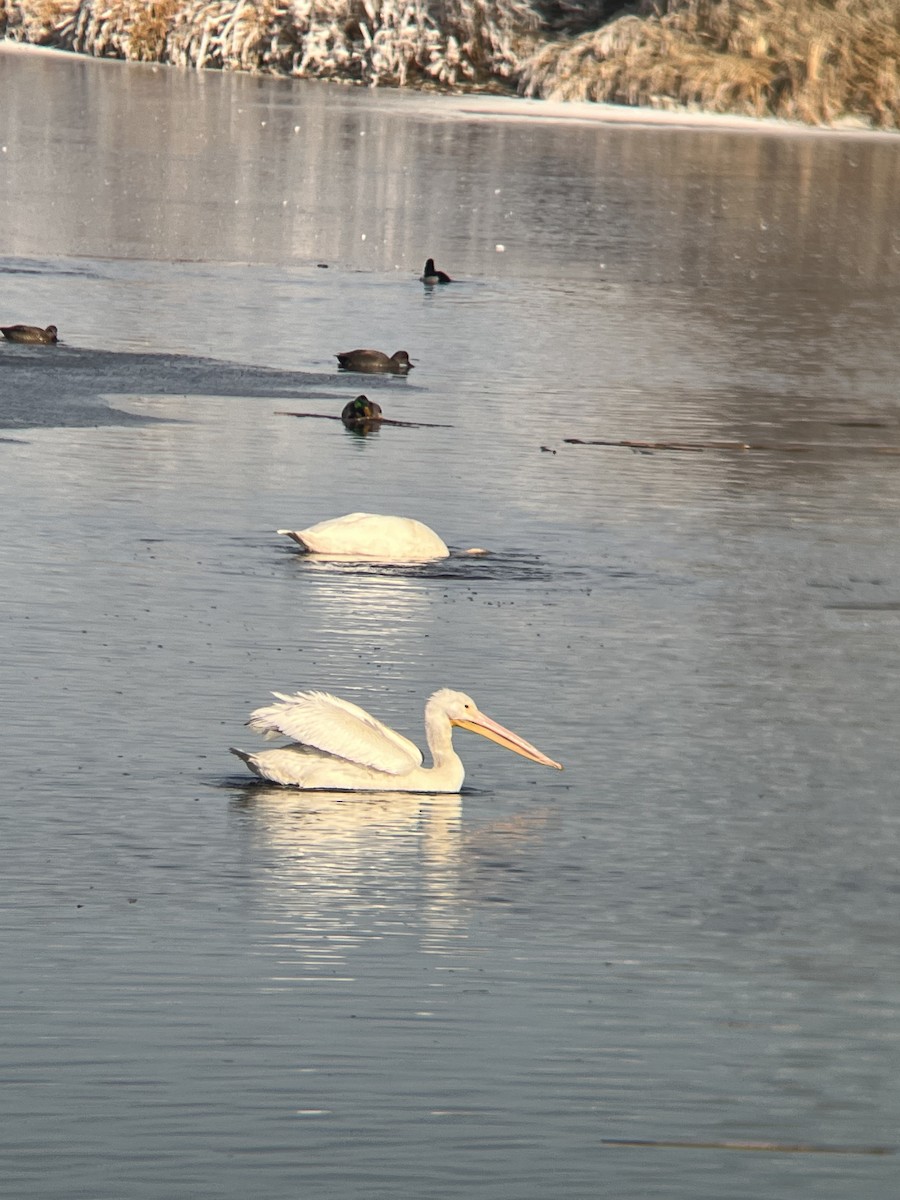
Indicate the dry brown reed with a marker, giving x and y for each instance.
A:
(37, 22)
(446, 43)
(816, 61)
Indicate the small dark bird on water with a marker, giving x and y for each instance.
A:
(361, 411)
(33, 334)
(370, 361)
(431, 276)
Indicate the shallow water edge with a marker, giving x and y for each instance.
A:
(480, 106)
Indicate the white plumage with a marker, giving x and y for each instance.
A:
(337, 745)
(370, 535)
(337, 727)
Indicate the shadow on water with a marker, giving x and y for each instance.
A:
(486, 565)
(257, 793)
(28, 266)
(64, 386)
(264, 797)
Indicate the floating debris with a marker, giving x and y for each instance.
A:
(759, 1147)
(368, 423)
(865, 606)
(633, 444)
(776, 447)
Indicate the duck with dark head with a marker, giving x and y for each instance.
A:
(362, 415)
(31, 335)
(375, 362)
(431, 276)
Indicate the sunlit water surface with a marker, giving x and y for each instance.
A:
(216, 989)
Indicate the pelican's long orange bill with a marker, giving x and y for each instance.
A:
(505, 737)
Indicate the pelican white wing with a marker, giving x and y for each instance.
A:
(335, 726)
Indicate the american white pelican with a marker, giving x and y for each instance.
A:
(430, 276)
(373, 361)
(33, 334)
(338, 746)
(369, 535)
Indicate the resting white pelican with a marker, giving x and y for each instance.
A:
(369, 535)
(338, 746)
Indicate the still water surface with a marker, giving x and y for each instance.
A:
(214, 989)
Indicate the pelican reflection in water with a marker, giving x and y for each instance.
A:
(338, 746)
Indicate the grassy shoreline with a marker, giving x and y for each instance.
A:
(831, 63)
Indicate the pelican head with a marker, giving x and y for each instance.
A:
(462, 711)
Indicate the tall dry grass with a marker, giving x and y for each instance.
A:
(810, 60)
(443, 42)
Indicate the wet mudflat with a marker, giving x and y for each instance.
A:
(624, 979)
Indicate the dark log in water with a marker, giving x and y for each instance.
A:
(757, 1147)
(374, 422)
(772, 447)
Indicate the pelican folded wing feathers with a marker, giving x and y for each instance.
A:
(335, 726)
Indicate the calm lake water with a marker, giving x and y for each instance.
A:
(220, 990)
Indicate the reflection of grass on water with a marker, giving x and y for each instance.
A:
(810, 60)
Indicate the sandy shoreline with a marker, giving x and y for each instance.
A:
(494, 107)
